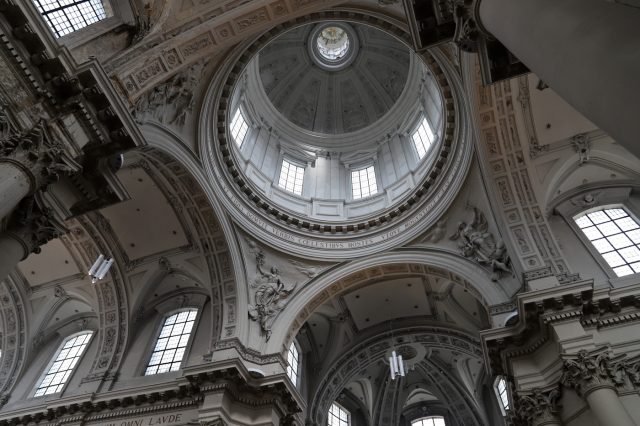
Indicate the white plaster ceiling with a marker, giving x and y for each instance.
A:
(387, 300)
(554, 119)
(53, 263)
(146, 224)
(334, 102)
(431, 298)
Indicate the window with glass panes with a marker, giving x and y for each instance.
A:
(239, 128)
(293, 363)
(291, 177)
(429, 421)
(423, 138)
(63, 364)
(338, 416)
(616, 236)
(501, 387)
(67, 16)
(172, 342)
(363, 183)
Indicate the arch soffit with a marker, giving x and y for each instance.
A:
(14, 338)
(234, 296)
(345, 278)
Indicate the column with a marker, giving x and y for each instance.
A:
(15, 184)
(592, 375)
(29, 161)
(588, 51)
(11, 252)
(607, 408)
(30, 227)
(539, 407)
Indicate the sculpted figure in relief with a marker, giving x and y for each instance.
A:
(477, 243)
(269, 295)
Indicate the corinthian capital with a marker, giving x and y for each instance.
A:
(538, 407)
(41, 157)
(587, 371)
(33, 226)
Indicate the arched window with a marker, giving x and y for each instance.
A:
(423, 138)
(172, 342)
(363, 183)
(429, 421)
(63, 363)
(502, 394)
(293, 363)
(67, 16)
(615, 234)
(338, 416)
(239, 127)
(291, 177)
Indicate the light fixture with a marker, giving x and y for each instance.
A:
(397, 365)
(100, 268)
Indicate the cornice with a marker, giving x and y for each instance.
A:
(539, 310)
(189, 391)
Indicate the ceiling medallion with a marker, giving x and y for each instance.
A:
(333, 45)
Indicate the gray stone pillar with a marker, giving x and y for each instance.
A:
(30, 227)
(592, 375)
(11, 252)
(588, 51)
(15, 184)
(607, 407)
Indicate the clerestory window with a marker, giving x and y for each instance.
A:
(291, 177)
(615, 234)
(338, 416)
(67, 16)
(239, 127)
(422, 138)
(172, 342)
(429, 421)
(63, 364)
(293, 363)
(363, 183)
(500, 387)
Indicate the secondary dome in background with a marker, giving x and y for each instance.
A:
(334, 77)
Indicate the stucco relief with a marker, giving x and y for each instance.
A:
(270, 292)
(477, 243)
(171, 102)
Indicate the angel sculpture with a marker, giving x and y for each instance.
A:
(477, 243)
(270, 291)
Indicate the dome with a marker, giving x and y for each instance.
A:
(334, 77)
(330, 129)
(343, 121)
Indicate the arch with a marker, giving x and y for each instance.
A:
(405, 261)
(13, 337)
(371, 350)
(232, 293)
